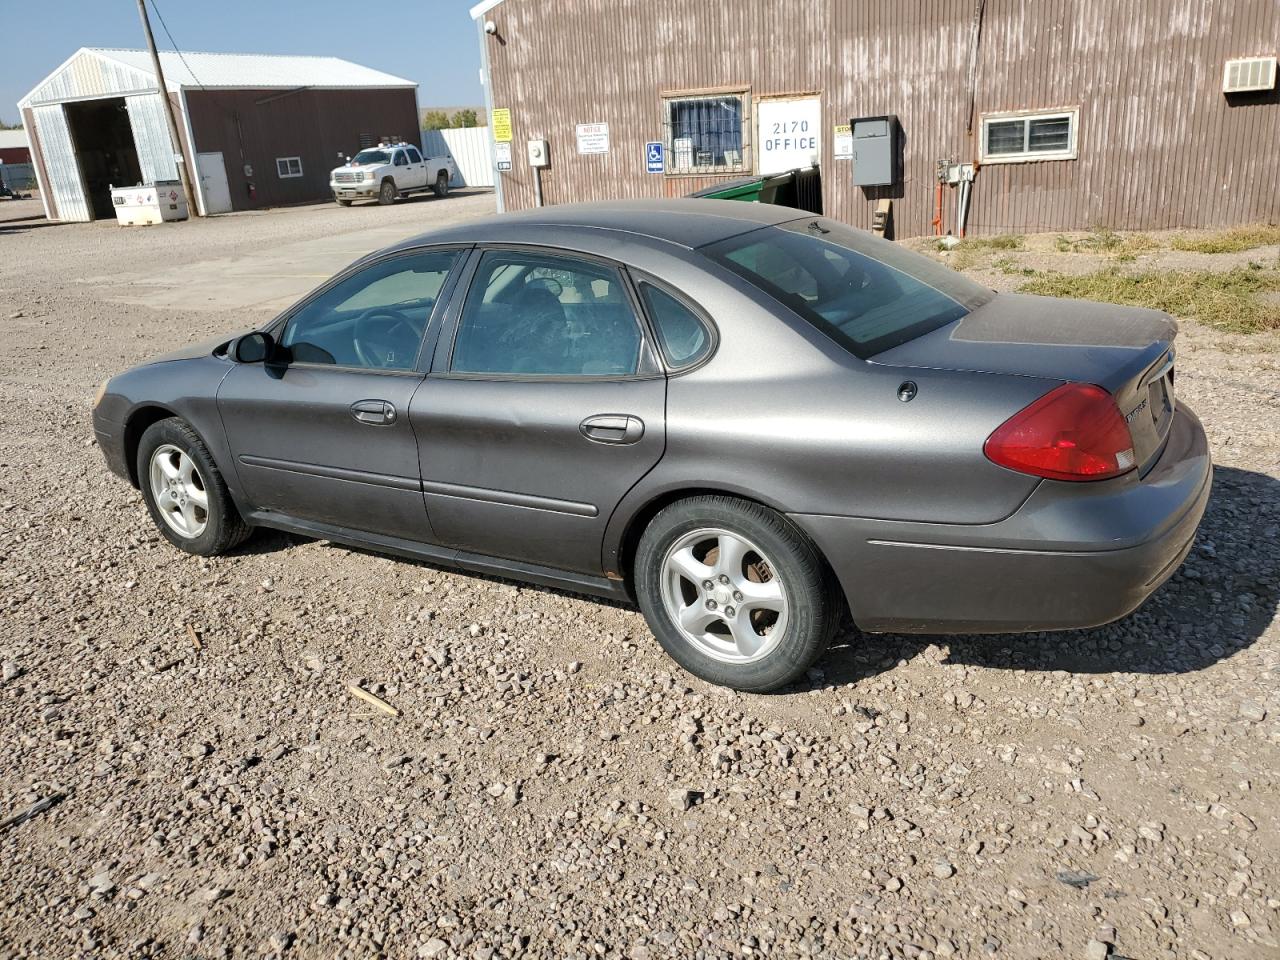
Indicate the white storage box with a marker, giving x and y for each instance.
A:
(156, 203)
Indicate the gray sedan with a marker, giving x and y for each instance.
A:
(744, 419)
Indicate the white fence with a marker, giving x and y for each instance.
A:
(469, 147)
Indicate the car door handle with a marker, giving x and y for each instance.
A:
(612, 428)
(375, 412)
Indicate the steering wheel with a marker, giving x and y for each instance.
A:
(385, 338)
(546, 283)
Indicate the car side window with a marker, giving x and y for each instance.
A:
(414, 155)
(541, 315)
(400, 160)
(373, 319)
(683, 336)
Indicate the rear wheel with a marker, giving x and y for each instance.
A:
(185, 492)
(388, 193)
(735, 593)
(442, 185)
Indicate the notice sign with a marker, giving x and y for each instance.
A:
(593, 138)
(502, 154)
(502, 125)
(842, 142)
(789, 133)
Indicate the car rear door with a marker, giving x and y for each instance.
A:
(324, 434)
(544, 406)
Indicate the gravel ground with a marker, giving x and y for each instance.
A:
(555, 787)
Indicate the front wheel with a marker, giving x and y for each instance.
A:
(442, 185)
(185, 492)
(735, 593)
(388, 193)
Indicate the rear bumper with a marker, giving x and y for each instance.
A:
(1073, 555)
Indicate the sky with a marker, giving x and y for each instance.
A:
(431, 41)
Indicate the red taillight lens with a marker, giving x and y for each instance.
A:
(1075, 432)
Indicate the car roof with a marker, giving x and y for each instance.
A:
(685, 222)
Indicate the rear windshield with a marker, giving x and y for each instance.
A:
(867, 294)
(371, 156)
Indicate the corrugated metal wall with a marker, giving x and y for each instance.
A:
(89, 75)
(469, 148)
(151, 137)
(59, 154)
(254, 127)
(1159, 144)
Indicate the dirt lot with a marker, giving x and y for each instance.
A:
(554, 786)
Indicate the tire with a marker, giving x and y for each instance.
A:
(767, 625)
(344, 203)
(441, 186)
(387, 193)
(174, 443)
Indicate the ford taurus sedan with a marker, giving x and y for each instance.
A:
(744, 419)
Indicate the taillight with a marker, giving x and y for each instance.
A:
(1075, 432)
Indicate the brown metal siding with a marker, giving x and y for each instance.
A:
(255, 127)
(1159, 145)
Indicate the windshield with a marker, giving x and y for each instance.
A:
(867, 294)
(370, 156)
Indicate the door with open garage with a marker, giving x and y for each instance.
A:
(104, 149)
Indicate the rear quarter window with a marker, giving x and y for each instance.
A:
(866, 294)
(685, 339)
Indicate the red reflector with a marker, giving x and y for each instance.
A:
(1075, 432)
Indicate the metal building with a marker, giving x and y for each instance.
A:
(1136, 114)
(262, 130)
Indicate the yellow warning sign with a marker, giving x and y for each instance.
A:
(502, 125)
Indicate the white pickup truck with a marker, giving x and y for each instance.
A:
(388, 171)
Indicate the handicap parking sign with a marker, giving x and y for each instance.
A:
(653, 158)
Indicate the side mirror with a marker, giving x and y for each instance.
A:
(256, 347)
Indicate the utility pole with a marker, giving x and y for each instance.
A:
(183, 171)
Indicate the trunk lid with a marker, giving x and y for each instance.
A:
(1126, 350)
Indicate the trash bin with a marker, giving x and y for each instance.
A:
(154, 203)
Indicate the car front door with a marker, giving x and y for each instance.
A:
(417, 167)
(544, 406)
(322, 433)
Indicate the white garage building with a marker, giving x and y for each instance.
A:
(263, 130)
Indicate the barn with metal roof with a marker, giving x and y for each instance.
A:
(258, 130)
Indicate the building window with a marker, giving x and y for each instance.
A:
(287, 167)
(707, 133)
(1035, 135)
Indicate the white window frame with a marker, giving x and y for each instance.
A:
(288, 162)
(1072, 114)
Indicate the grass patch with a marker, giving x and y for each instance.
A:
(1228, 241)
(1230, 300)
(1107, 241)
(1009, 267)
(973, 251)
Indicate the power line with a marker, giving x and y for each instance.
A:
(173, 43)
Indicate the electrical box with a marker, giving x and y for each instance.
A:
(539, 153)
(877, 151)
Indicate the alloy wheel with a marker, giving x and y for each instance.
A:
(724, 595)
(179, 491)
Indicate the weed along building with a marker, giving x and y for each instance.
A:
(1052, 115)
(261, 130)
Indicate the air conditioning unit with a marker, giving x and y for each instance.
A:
(1249, 73)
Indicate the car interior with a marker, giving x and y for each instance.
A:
(373, 319)
(547, 316)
